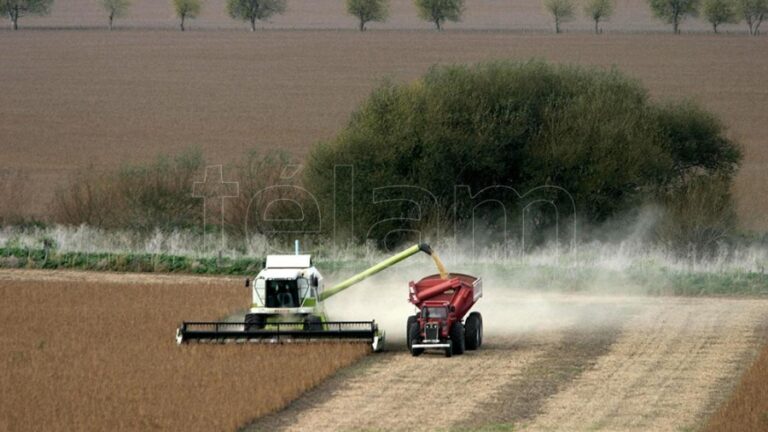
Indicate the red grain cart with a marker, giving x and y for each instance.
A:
(442, 305)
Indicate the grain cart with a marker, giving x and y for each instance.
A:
(442, 303)
(288, 296)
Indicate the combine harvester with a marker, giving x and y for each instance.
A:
(288, 296)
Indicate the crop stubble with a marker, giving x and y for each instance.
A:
(590, 363)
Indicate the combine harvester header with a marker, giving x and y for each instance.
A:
(288, 303)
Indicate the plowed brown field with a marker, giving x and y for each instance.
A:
(73, 99)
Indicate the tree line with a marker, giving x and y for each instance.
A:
(437, 12)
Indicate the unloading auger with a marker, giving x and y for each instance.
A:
(288, 303)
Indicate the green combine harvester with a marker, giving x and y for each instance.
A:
(288, 296)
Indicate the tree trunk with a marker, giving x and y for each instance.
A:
(182, 23)
(111, 19)
(597, 28)
(253, 24)
(714, 27)
(437, 24)
(362, 25)
(14, 15)
(676, 25)
(557, 25)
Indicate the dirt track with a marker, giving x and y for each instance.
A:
(588, 363)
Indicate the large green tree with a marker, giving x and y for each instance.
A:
(674, 11)
(599, 10)
(186, 9)
(561, 10)
(440, 11)
(753, 12)
(560, 133)
(368, 10)
(254, 10)
(719, 12)
(16, 9)
(115, 9)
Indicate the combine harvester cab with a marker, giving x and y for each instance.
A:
(442, 303)
(287, 304)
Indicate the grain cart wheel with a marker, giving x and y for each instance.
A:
(313, 322)
(457, 338)
(255, 322)
(474, 331)
(411, 320)
(413, 336)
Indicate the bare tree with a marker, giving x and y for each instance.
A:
(674, 11)
(719, 12)
(16, 9)
(561, 10)
(115, 9)
(439, 11)
(186, 9)
(599, 10)
(368, 10)
(254, 10)
(754, 12)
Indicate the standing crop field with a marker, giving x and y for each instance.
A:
(747, 408)
(92, 353)
(75, 99)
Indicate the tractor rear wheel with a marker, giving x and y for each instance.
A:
(255, 322)
(313, 322)
(474, 331)
(413, 337)
(411, 320)
(457, 338)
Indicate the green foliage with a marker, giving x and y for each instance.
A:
(254, 10)
(561, 10)
(159, 195)
(698, 215)
(674, 11)
(115, 9)
(439, 11)
(17, 257)
(719, 12)
(599, 10)
(16, 9)
(368, 11)
(696, 140)
(593, 133)
(186, 9)
(141, 197)
(753, 12)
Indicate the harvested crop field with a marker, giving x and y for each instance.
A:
(74, 99)
(96, 352)
(578, 363)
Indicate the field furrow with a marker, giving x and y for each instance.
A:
(664, 371)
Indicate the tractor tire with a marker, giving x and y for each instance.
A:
(411, 320)
(313, 322)
(255, 322)
(413, 336)
(457, 338)
(474, 331)
(449, 350)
